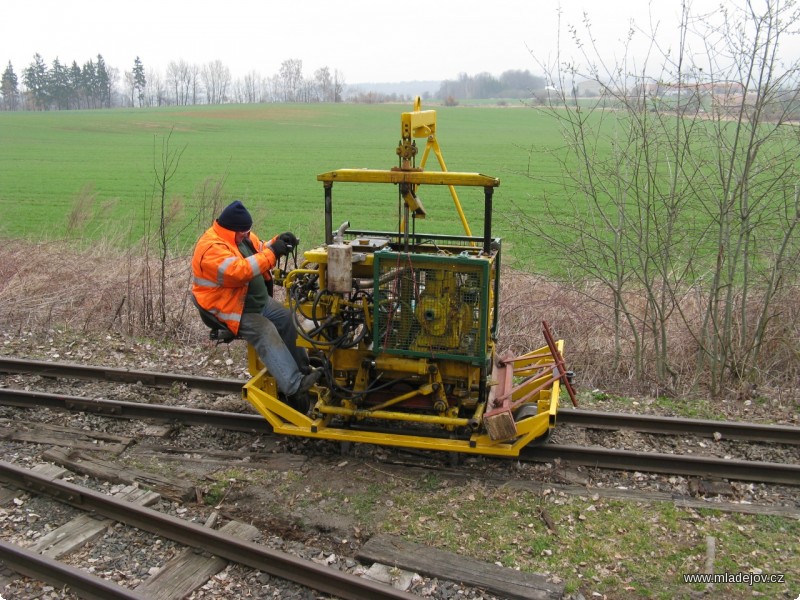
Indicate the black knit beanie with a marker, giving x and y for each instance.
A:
(235, 217)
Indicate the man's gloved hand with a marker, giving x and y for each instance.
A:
(279, 248)
(289, 239)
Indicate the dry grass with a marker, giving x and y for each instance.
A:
(584, 317)
(46, 285)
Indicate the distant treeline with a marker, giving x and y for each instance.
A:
(511, 84)
(95, 84)
(58, 86)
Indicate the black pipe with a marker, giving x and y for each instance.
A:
(488, 191)
(328, 212)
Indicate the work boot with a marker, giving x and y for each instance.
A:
(301, 402)
(309, 379)
(301, 399)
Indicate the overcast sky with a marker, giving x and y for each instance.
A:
(366, 41)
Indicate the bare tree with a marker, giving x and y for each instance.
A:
(130, 88)
(291, 77)
(755, 211)
(238, 91)
(324, 82)
(308, 91)
(194, 83)
(216, 79)
(253, 88)
(274, 88)
(338, 85)
(678, 190)
(155, 91)
(164, 169)
(111, 84)
(179, 78)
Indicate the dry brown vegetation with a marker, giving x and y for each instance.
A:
(583, 317)
(48, 285)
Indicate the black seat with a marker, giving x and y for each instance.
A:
(219, 331)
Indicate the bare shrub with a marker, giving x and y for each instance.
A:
(683, 200)
(583, 315)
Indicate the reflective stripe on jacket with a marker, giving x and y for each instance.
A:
(221, 274)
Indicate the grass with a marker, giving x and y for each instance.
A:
(268, 155)
(224, 481)
(102, 164)
(653, 544)
(364, 502)
(697, 408)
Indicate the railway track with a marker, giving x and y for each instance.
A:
(754, 432)
(732, 430)
(201, 538)
(688, 465)
(49, 570)
(58, 574)
(153, 378)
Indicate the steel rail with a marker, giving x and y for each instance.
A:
(151, 378)
(656, 462)
(306, 573)
(135, 410)
(751, 432)
(42, 568)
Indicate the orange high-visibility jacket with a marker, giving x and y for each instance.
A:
(221, 273)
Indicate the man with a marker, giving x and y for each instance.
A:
(233, 280)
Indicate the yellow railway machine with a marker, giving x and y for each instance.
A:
(404, 326)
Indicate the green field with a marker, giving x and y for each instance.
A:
(267, 155)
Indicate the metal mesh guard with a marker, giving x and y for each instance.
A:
(430, 306)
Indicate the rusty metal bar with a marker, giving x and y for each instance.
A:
(677, 464)
(730, 430)
(135, 410)
(43, 568)
(152, 378)
(559, 362)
